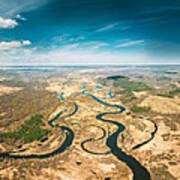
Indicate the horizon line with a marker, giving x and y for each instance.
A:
(92, 64)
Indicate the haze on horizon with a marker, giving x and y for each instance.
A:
(37, 32)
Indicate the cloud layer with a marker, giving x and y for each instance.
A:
(76, 56)
(130, 43)
(7, 23)
(68, 31)
(12, 7)
(5, 45)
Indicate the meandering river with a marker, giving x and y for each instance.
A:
(139, 171)
(64, 146)
(83, 143)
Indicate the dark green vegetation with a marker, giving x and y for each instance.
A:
(138, 109)
(116, 77)
(128, 87)
(30, 131)
(171, 72)
(174, 92)
(128, 96)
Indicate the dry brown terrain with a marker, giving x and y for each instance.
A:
(158, 152)
(162, 105)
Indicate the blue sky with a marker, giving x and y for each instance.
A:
(89, 31)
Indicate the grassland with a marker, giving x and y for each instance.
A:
(139, 109)
(128, 96)
(30, 131)
(128, 87)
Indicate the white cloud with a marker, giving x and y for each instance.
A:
(12, 7)
(66, 38)
(95, 44)
(61, 38)
(71, 46)
(63, 56)
(70, 56)
(74, 55)
(107, 27)
(130, 43)
(26, 43)
(18, 16)
(7, 23)
(9, 45)
(76, 39)
(77, 42)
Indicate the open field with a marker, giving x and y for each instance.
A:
(89, 123)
